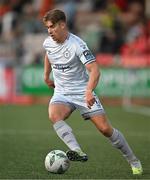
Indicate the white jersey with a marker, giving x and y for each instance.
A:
(68, 64)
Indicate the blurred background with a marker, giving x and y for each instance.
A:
(117, 32)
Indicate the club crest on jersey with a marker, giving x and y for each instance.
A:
(67, 54)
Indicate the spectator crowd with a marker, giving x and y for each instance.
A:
(116, 27)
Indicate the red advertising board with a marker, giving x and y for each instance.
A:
(8, 88)
(7, 84)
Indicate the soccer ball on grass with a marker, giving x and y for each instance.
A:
(57, 162)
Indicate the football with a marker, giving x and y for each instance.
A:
(57, 162)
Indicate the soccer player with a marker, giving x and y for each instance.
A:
(76, 75)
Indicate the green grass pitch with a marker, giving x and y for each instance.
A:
(26, 136)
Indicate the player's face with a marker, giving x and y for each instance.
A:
(56, 31)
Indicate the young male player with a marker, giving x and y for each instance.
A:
(69, 59)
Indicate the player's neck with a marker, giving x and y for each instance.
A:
(65, 36)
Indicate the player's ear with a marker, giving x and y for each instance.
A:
(63, 25)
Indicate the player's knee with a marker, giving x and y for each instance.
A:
(54, 117)
(106, 131)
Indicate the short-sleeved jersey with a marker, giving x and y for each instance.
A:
(68, 62)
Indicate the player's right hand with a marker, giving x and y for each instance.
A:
(89, 98)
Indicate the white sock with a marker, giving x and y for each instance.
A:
(65, 133)
(117, 139)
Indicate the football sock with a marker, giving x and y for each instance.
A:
(65, 133)
(117, 139)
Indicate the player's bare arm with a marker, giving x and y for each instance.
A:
(47, 71)
(94, 75)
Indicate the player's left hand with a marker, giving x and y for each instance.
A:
(49, 82)
(90, 99)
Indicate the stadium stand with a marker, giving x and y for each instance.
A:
(117, 31)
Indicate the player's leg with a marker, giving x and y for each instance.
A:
(98, 117)
(117, 140)
(57, 114)
(59, 110)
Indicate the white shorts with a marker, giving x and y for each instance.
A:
(78, 102)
